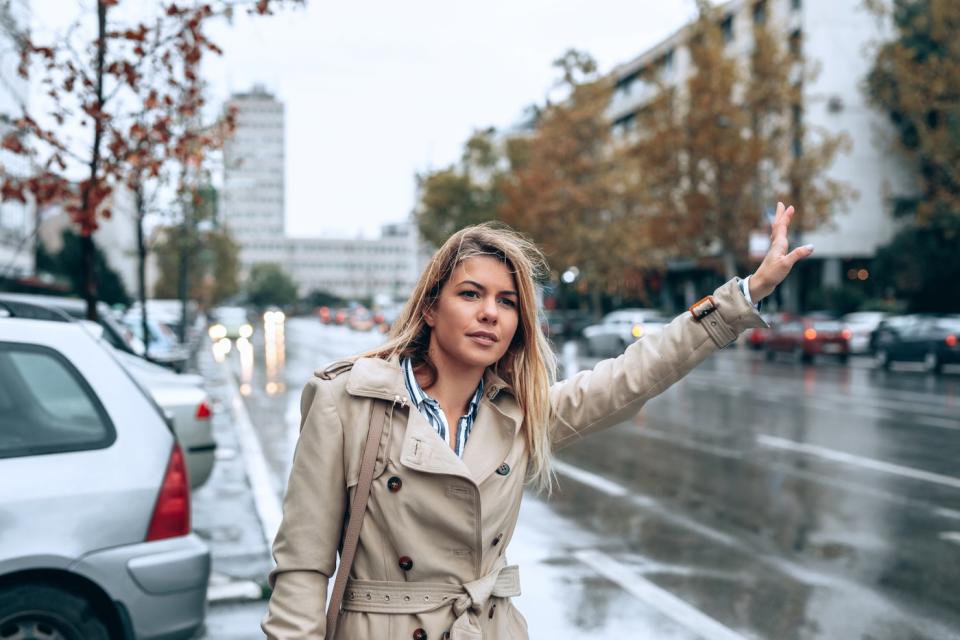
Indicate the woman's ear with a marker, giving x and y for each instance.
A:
(428, 317)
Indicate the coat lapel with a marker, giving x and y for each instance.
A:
(497, 424)
(490, 440)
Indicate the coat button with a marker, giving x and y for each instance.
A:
(419, 634)
(394, 484)
(503, 469)
(406, 564)
(493, 608)
(497, 540)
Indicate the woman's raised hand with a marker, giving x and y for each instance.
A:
(777, 263)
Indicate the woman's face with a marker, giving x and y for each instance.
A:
(475, 318)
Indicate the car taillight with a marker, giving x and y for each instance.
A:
(846, 334)
(951, 340)
(171, 513)
(203, 411)
(810, 334)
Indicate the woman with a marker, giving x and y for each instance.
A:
(472, 415)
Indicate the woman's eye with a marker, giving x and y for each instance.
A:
(469, 294)
(507, 301)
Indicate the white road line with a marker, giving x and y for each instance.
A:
(644, 502)
(650, 594)
(951, 536)
(265, 497)
(590, 479)
(858, 461)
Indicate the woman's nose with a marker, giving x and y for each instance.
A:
(489, 311)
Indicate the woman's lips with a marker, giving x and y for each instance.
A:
(482, 339)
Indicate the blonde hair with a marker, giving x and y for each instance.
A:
(528, 366)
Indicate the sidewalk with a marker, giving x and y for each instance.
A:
(224, 515)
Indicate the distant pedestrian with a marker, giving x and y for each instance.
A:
(463, 391)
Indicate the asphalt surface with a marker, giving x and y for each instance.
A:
(751, 500)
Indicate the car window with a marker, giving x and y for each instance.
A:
(827, 325)
(45, 406)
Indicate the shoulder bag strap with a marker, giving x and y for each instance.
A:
(357, 508)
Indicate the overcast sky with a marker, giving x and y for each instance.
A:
(378, 91)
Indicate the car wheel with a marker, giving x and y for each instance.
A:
(931, 362)
(46, 613)
(844, 358)
(805, 357)
(882, 359)
(769, 355)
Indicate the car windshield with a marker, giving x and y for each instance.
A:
(827, 325)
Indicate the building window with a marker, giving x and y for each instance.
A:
(760, 13)
(727, 27)
(796, 43)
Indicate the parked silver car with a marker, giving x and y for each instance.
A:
(96, 541)
(182, 396)
(619, 329)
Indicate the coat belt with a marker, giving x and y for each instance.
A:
(467, 600)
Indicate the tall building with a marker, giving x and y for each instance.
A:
(835, 37)
(16, 219)
(252, 208)
(252, 203)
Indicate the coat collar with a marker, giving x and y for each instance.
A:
(497, 424)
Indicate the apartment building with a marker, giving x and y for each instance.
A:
(252, 207)
(836, 37)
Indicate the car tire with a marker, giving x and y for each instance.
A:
(844, 359)
(41, 611)
(932, 363)
(769, 355)
(806, 358)
(882, 359)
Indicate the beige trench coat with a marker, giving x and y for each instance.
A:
(431, 561)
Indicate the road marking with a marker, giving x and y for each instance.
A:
(650, 594)
(265, 499)
(590, 479)
(613, 489)
(951, 536)
(858, 461)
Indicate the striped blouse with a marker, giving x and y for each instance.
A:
(431, 410)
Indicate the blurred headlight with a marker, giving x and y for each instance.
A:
(246, 331)
(217, 332)
(637, 331)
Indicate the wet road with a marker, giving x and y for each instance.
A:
(751, 500)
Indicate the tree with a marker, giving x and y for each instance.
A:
(132, 89)
(713, 153)
(567, 187)
(269, 285)
(462, 194)
(916, 80)
(214, 276)
(63, 266)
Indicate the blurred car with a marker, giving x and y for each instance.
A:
(361, 319)
(163, 347)
(114, 331)
(805, 338)
(756, 337)
(861, 325)
(96, 540)
(565, 323)
(619, 329)
(230, 323)
(932, 340)
(183, 398)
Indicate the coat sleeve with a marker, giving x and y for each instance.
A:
(305, 549)
(617, 388)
